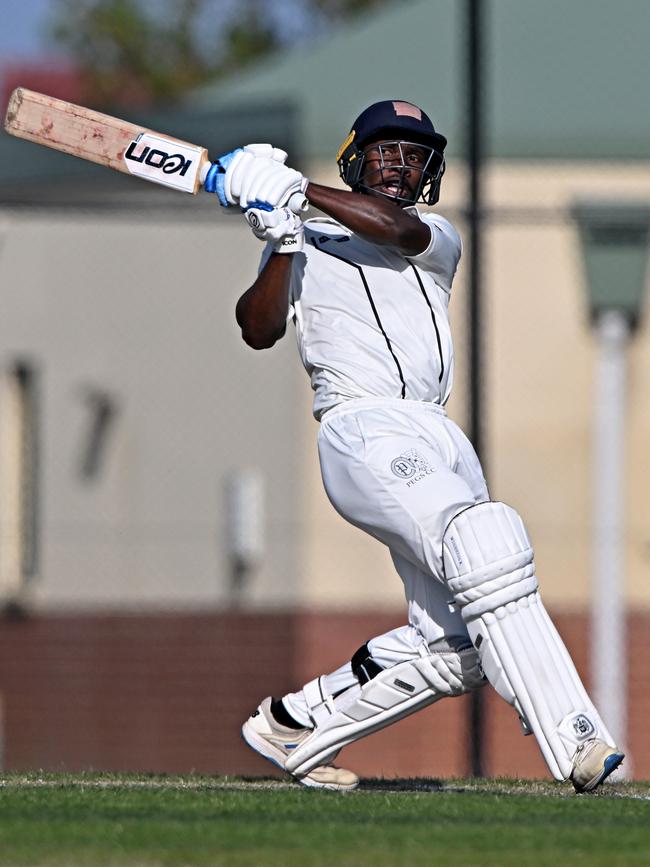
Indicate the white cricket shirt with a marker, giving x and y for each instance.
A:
(370, 322)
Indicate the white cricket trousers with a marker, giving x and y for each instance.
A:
(400, 470)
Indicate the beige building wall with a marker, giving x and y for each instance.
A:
(138, 306)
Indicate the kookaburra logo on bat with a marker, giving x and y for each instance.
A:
(169, 163)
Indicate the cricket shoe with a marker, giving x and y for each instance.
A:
(593, 762)
(275, 742)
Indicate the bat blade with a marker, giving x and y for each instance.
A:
(108, 141)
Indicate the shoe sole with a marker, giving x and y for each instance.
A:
(328, 787)
(263, 748)
(609, 766)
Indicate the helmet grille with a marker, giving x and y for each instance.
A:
(394, 169)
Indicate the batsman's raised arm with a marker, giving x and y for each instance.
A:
(373, 219)
(262, 310)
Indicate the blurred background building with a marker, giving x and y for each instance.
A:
(167, 553)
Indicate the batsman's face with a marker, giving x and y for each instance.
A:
(395, 169)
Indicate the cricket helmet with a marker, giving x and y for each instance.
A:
(398, 121)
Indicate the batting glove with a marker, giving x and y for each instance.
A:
(219, 178)
(266, 150)
(280, 227)
(267, 184)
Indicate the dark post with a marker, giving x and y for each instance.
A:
(475, 12)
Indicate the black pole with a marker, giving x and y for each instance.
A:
(475, 11)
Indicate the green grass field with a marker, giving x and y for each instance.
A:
(99, 819)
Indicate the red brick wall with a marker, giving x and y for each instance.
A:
(167, 693)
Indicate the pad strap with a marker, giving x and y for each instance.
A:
(319, 703)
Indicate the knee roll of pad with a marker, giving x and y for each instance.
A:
(488, 558)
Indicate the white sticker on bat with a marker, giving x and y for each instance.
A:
(163, 161)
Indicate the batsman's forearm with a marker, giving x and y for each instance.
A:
(261, 311)
(373, 218)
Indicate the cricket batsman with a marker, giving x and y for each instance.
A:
(367, 287)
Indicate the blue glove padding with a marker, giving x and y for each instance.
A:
(261, 206)
(214, 179)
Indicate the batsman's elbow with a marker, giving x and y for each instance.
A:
(261, 319)
(261, 339)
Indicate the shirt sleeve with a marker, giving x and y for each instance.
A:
(442, 255)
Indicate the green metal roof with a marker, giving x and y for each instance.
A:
(564, 78)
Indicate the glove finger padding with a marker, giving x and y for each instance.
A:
(253, 175)
(277, 189)
(268, 151)
(247, 164)
(235, 173)
(270, 182)
(225, 177)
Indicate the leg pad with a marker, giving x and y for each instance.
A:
(489, 568)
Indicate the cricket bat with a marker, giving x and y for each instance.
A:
(108, 141)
